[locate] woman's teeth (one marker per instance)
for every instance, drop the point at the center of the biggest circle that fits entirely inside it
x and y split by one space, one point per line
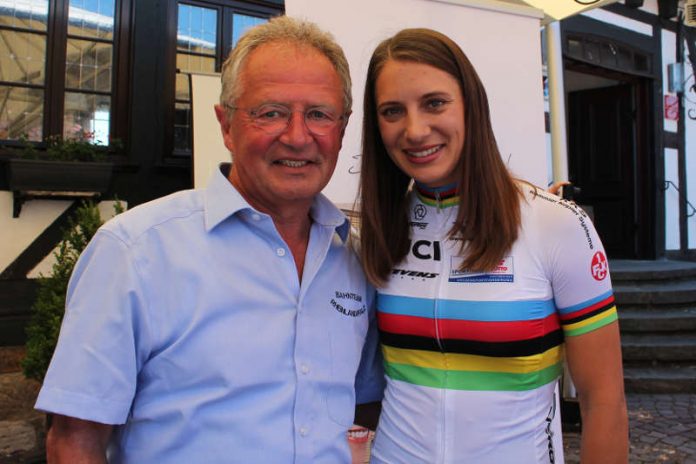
424 153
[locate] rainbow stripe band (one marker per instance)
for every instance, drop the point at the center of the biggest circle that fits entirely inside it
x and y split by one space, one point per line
482 345
472 380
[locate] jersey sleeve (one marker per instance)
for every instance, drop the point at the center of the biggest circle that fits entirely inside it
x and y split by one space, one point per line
94 369
578 270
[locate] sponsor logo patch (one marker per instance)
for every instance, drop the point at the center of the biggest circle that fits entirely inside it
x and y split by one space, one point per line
355 303
401 273
599 266
418 225
504 272
419 212
426 250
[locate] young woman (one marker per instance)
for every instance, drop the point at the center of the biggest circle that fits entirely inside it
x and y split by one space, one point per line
485 283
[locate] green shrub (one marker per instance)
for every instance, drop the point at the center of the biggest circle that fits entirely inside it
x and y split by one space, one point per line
49 306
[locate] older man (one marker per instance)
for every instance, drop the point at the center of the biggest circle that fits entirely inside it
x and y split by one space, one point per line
227 324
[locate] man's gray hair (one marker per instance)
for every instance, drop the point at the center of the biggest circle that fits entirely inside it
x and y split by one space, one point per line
283 29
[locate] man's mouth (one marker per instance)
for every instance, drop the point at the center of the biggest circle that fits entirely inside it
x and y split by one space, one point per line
292 163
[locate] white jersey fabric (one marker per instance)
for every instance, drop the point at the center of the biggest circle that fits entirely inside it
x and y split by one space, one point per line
472 359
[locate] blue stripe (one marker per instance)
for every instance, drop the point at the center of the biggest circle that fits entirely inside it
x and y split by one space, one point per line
585 303
487 311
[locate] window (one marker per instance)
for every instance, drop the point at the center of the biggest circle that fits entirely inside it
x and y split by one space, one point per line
206 32
57 68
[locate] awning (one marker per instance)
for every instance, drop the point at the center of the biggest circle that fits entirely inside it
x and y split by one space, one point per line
555 10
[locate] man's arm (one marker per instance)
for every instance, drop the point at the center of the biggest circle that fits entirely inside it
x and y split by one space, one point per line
76 441
367 414
594 360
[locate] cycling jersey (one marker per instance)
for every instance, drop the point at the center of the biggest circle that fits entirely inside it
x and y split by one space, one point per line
472 358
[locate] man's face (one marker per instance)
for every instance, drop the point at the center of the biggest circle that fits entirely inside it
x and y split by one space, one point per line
287 169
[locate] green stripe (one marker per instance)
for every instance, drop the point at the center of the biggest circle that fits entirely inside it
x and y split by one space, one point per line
472 380
594 326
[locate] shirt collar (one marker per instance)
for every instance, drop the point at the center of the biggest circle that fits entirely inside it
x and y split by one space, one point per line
222 200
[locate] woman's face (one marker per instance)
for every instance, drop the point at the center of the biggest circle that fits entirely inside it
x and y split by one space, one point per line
420 110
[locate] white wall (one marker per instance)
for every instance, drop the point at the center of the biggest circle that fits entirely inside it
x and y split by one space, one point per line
504 47
671 201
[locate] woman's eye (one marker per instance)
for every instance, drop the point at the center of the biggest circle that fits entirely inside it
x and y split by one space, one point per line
391 112
435 103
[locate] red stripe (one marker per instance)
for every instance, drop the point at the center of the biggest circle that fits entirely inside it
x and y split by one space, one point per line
455 329
588 309
407 325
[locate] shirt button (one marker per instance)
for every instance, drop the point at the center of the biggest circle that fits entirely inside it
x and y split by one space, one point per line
255 217
304 431
304 369
280 251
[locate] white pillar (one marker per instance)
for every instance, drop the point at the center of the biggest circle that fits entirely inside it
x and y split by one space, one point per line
557 113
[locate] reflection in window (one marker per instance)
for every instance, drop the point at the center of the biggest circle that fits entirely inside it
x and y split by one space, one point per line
196 52
197 29
91 18
21 113
87 117
22 72
240 24
25 14
89 70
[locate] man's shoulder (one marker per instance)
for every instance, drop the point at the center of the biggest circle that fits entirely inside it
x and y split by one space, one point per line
159 213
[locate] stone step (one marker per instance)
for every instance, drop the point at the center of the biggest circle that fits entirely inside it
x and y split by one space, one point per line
657 270
679 347
667 319
660 379
666 293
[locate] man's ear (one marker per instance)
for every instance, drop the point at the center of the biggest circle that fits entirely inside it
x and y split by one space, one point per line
344 125
224 119
346 117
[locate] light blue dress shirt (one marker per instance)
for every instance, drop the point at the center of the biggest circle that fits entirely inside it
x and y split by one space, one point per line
186 322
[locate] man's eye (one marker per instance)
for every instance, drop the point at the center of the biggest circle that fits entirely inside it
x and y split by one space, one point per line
319 115
271 114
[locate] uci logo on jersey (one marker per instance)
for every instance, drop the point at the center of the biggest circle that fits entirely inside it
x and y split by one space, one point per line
425 249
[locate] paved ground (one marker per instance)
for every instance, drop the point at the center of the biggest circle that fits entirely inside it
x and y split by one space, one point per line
662 430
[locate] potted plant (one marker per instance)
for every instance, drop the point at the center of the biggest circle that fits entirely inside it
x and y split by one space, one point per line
49 305
72 165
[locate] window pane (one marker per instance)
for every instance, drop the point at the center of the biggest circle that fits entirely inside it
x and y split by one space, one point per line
87 114
21 113
91 18
31 14
88 65
182 127
240 23
22 56
183 88
186 64
197 29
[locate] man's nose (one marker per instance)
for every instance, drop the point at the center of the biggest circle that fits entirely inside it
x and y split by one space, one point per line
297 133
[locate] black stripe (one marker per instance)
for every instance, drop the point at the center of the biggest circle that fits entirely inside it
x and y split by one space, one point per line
588 315
495 349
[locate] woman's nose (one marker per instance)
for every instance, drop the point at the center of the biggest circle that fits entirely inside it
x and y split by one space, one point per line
417 127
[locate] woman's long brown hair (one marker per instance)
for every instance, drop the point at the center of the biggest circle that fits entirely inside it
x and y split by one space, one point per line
489 200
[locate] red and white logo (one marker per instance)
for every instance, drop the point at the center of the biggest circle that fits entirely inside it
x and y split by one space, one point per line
599 267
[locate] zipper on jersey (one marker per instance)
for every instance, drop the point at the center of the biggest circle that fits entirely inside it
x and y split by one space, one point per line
438 204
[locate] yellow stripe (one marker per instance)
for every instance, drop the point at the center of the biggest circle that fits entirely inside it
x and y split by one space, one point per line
603 315
469 362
